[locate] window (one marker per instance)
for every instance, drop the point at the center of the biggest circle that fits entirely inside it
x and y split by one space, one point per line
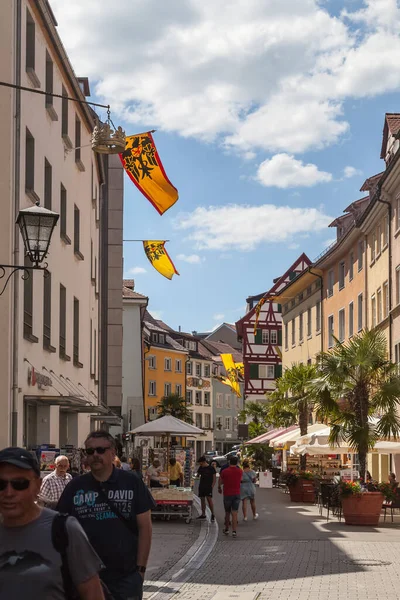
378 240
167 364
207 371
78 142
207 399
49 88
301 327
351 319
330 331
218 423
398 284
360 312
76 333
227 423
273 336
152 362
77 227
198 398
167 389
47 311
189 397
178 366
293 333
373 311
152 388
385 231
48 177
64 113
379 305
63 322
198 420
309 326
398 213
63 215
189 368
385 299
198 369
360 252
207 421
29 162
178 389
342 325
351 266
309 290
220 400
342 274
318 316
228 401
265 336
331 281
266 371
30 55
373 246
286 336
28 303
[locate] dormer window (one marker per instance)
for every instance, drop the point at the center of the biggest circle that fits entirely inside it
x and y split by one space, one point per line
161 338
154 337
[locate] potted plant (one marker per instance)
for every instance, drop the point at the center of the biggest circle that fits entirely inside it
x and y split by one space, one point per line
301 486
360 507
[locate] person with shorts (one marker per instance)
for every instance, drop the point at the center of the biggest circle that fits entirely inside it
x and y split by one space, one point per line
248 490
208 478
230 478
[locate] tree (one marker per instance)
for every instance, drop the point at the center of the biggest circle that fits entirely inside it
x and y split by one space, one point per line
358 390
175 406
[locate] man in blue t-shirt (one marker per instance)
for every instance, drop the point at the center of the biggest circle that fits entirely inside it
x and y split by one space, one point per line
114 508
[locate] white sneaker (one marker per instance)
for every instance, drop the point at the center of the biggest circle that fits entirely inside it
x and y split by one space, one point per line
244 518
255 517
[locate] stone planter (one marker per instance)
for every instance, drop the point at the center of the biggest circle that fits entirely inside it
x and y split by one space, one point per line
364 509
302 491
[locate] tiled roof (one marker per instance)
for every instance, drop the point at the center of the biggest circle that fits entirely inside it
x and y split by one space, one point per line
357 204
169 341
164 325
371 182
129 293
222 348
392 126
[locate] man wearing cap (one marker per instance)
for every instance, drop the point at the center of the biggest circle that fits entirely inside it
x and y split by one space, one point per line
54 484
30 566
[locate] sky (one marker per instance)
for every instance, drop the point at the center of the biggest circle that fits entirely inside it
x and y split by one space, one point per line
269 117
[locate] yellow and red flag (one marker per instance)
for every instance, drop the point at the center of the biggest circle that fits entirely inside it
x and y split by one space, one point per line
159 258
231 372
144 167
258 310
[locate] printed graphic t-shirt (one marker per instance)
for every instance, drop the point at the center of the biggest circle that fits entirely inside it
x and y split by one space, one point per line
110 537
231 478
30 567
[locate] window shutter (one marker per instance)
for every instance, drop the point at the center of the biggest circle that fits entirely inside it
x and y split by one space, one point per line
279 308
258 338
278 371
279 337
253 371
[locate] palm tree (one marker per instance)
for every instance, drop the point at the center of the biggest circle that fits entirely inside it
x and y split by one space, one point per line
358 390
175 406
292 401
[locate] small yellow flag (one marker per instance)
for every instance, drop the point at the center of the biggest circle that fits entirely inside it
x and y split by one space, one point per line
144 167
232 374
159 258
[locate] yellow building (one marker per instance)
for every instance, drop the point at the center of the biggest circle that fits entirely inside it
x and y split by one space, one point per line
164 366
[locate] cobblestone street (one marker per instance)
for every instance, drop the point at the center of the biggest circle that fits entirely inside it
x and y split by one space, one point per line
292 553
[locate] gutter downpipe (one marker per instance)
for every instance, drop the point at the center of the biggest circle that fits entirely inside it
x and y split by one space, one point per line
16 177
390 284
322 304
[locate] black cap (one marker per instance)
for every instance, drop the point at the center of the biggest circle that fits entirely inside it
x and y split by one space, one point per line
20 458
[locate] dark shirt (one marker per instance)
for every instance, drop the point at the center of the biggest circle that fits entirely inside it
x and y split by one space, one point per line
110 537
206 476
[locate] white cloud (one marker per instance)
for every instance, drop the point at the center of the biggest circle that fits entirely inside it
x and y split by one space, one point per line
293 246
218 317
157 314
137 271
284 171
243 227
253 75
349 172
193 259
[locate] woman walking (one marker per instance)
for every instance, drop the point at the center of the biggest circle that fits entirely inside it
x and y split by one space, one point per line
248 490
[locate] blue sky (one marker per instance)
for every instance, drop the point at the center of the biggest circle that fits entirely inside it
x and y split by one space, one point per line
269 117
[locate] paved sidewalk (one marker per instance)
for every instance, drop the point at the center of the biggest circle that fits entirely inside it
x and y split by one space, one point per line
291 553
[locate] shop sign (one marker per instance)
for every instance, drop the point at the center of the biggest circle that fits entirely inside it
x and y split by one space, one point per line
37 379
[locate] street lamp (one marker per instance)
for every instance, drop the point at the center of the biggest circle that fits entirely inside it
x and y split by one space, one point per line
36 225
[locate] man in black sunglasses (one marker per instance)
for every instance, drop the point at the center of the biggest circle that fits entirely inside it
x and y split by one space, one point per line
30 564
113 507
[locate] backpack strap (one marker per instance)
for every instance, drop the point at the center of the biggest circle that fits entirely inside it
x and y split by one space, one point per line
59 537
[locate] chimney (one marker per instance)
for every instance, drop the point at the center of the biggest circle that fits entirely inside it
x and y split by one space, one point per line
179 329
129 283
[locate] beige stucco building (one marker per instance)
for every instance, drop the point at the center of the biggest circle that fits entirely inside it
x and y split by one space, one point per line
60 353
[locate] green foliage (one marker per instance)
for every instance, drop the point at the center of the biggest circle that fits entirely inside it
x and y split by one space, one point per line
349 488
175 406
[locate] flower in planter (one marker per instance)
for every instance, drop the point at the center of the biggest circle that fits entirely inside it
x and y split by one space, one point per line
291 478
350 488
306 475
385 488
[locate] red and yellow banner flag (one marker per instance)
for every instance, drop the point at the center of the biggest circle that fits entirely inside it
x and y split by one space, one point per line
159 258
258 310
232 373
144 167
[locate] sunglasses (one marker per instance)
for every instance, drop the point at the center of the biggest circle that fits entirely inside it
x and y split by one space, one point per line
98 449
17 484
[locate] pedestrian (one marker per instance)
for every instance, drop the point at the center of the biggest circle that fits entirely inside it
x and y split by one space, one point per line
114 508
208 478
54 484
30 565
117 463
124 463
248 490
154 474
230 478
136 468
175 472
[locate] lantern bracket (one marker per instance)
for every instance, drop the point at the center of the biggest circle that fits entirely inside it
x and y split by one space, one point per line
7 271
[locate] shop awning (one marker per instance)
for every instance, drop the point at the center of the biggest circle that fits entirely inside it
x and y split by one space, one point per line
319 445
167 426
68 403
294 435
265 438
